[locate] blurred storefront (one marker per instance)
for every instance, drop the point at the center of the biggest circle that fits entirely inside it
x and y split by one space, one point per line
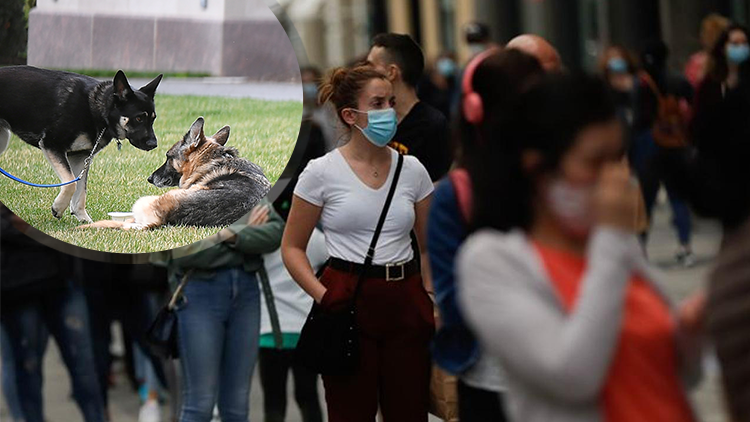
335 32
214 37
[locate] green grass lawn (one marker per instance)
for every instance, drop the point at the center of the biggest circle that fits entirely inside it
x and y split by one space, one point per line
264 132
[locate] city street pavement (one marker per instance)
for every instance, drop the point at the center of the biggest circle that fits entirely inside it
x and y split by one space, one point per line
225 87
680 282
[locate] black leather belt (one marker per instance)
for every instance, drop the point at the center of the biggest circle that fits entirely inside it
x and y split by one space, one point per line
389 272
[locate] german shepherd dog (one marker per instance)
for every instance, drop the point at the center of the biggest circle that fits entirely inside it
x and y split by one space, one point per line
64 114
216 187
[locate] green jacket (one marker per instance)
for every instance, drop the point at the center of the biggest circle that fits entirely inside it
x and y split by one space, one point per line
213 253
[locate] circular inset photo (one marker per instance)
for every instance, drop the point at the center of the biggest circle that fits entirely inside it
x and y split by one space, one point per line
154 130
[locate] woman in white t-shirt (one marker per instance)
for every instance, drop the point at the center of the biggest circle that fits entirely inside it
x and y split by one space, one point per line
344 191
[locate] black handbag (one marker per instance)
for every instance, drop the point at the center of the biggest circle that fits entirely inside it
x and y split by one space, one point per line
162 334
328 343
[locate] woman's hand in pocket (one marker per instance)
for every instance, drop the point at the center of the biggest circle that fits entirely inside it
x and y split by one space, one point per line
320 294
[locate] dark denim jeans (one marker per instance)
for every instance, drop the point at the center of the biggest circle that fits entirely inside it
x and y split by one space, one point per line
65 315
651 165
218 326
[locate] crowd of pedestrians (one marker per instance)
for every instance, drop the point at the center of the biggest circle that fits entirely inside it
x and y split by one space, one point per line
486 220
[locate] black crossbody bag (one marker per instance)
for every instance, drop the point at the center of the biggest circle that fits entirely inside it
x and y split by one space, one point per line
161 336
328 343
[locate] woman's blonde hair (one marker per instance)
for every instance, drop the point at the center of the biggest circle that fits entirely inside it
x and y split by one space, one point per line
712 27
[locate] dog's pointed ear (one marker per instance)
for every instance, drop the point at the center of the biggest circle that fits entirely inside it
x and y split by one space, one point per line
150 88
196 132
122 86
221 136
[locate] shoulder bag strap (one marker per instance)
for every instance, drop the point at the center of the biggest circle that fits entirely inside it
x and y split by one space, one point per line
273 314
178 291
379 227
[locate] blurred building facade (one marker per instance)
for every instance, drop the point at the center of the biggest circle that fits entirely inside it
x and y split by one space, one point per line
335 32
216 37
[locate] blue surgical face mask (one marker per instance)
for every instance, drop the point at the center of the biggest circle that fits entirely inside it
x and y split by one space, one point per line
381 126
617 65
309 91
738 53
476 48
446 67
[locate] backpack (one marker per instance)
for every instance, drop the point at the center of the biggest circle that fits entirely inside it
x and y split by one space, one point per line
670 127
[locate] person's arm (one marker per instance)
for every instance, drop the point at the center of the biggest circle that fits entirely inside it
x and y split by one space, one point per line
445 233
508 300
303 216
502 293
422 209
255 238
691 316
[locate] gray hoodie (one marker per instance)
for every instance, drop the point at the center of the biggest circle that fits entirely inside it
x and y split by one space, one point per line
557 361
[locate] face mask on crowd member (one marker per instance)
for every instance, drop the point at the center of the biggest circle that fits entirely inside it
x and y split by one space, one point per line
617 65
309 91
381 126
738 53
737 49
571 205
476 48
446 67
374 115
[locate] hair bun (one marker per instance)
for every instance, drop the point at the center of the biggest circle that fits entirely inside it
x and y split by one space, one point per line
342 85
338 75
333 80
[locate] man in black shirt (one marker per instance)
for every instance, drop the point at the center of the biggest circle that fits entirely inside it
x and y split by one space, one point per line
422 130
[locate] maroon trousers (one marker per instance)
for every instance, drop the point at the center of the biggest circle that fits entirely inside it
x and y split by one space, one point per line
396 324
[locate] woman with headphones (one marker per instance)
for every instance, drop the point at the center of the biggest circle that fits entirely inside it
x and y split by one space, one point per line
490 82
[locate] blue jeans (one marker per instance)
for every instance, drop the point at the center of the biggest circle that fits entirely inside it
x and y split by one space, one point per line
218 332
65 315
650 163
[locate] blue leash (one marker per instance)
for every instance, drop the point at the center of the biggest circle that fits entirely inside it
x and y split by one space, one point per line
37 185
56 185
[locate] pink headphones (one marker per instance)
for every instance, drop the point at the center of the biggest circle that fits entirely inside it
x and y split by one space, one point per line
473 110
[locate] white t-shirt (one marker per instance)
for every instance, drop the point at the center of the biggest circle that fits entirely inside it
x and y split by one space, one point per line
292 303
351 209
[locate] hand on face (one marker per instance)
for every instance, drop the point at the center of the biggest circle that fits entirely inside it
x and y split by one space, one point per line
692 312
616 197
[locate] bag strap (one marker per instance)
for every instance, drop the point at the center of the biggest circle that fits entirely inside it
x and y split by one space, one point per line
178 291
273 314
645 77
379 227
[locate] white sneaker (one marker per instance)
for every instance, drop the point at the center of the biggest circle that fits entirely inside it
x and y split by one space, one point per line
685 257
150 412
